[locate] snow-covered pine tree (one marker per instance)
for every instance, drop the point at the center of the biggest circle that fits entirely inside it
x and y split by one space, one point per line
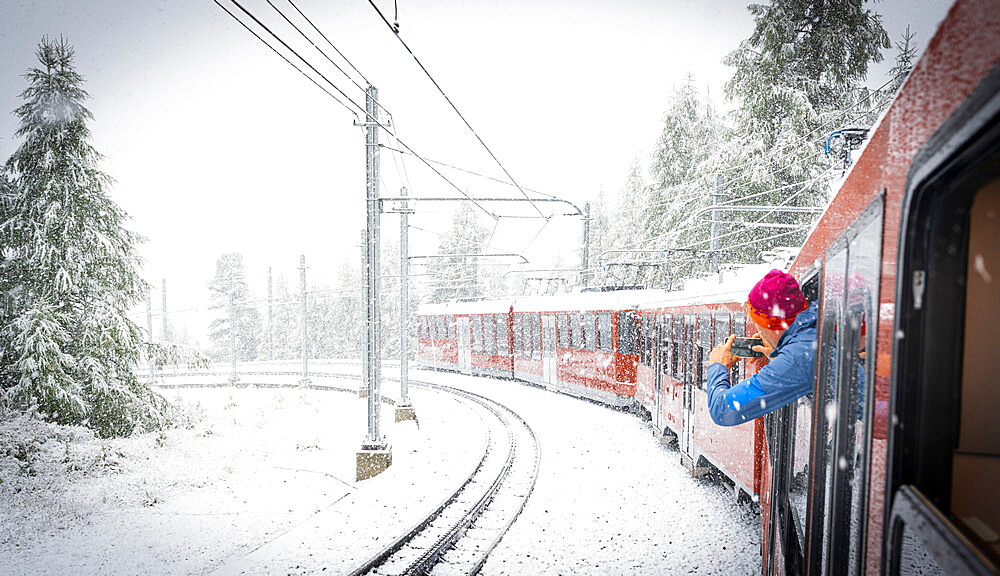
348 315
69 269
230 280
459 277
796 79
684 166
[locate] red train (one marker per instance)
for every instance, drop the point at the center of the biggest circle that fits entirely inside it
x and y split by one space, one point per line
891 465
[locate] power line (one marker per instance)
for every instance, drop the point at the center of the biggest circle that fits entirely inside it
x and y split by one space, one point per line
310 78
452 104
356 105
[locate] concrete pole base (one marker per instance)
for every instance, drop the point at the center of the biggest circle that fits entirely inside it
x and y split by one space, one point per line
234 380
405 413
305 382
372 462
362 393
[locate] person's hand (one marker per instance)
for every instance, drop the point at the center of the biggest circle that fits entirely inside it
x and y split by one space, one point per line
765 349
723 353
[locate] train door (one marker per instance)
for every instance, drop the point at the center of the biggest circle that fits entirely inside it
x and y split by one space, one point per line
690 384
549 349
944 445
464 344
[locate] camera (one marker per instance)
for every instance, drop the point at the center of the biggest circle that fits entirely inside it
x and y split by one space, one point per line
742 347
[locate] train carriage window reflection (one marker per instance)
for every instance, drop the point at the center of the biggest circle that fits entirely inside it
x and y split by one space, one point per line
739 328
826 416
518 336
503 341
589 323
663 346
575 336
489 333
441 331
627 332
676 351
449 327
562 330
536 336
604 342
477 334
704 346
644 337
420 327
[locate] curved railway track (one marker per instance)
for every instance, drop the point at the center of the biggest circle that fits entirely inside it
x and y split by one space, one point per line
459 534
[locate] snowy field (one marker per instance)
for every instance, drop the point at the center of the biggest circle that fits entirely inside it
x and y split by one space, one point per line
261 481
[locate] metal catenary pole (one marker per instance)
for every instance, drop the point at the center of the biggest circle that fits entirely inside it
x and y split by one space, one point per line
270 316
372 324
404 304
305 320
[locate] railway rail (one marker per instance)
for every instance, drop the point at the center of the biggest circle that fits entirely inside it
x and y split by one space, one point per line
460 533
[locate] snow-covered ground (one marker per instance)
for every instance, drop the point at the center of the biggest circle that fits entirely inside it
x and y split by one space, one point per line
261 481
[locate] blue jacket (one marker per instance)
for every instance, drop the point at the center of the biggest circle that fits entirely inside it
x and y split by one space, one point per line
788 376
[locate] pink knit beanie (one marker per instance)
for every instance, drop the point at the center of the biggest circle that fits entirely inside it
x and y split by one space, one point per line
775 301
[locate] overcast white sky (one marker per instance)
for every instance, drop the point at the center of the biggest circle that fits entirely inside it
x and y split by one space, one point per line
217 145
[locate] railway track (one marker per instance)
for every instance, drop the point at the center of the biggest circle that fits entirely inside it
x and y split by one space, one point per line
458 536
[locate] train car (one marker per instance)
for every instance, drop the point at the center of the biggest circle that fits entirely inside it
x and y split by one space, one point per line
583 344
890 466
476 337
437 344
676 336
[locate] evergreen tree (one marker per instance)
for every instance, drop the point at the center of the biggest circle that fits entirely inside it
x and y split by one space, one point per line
69 269
231 297
348 326
796 79
458 277
601 238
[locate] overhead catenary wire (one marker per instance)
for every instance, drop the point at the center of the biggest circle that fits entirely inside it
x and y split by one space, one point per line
355 104
282 56
395 31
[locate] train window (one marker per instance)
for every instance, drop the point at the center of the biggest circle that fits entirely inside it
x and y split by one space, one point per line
575 336
676 351
588 321
644 349
503 342
442 332
739 328
627 332
663 346
604 342
476 326
489 333
704 346
651 340
518 337
449 327
857 380
826 410
536 336
420 327
562 330
721 329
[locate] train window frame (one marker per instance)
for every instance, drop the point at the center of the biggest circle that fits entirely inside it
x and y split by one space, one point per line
605 343
946 176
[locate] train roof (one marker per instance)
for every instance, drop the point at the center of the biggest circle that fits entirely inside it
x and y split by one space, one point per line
731 285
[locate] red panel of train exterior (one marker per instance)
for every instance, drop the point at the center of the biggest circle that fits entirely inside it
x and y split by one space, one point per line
964 49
